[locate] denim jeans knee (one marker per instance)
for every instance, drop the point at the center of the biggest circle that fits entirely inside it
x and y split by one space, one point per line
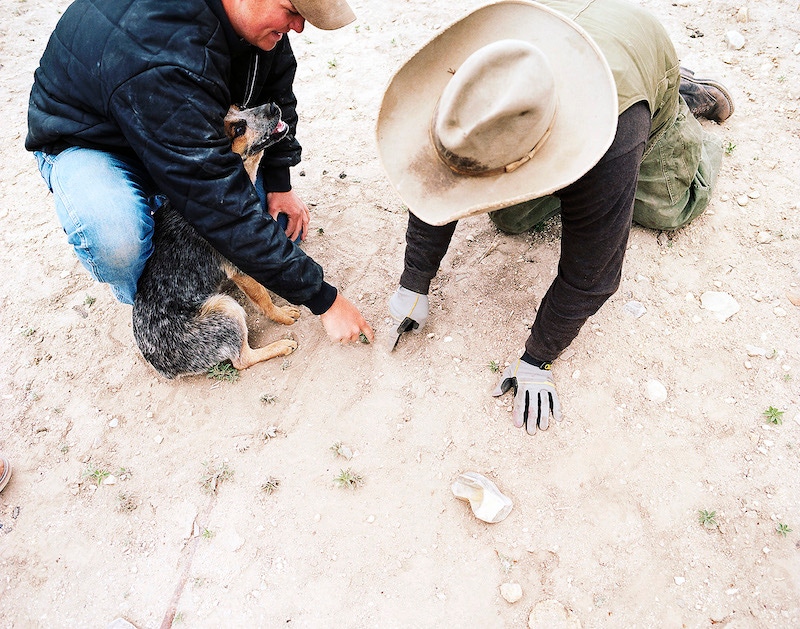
105 203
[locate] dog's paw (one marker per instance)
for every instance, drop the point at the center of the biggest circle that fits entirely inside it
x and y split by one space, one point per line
286 345
286 315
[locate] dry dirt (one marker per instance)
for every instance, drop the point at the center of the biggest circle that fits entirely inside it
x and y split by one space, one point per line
606 503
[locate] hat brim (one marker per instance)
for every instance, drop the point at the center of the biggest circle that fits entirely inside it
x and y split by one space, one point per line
584 129
327 16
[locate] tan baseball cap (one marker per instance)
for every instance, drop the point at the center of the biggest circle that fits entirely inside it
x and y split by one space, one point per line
511 103
327 15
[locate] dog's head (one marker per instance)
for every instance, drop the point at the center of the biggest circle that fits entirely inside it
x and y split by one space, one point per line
252 130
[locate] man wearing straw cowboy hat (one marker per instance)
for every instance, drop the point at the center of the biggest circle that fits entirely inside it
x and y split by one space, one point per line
127 108
524 110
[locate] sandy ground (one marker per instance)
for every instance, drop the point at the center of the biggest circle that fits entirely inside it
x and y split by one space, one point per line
606 503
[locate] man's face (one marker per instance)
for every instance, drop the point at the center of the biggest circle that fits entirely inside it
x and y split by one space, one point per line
262 23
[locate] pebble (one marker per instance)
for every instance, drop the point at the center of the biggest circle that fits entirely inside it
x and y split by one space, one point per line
752 350
779 312
741 15
551 614
634 308
656 391
735 40
793 297
680 580
721 304
754 194
159 438
797 49
742 200
512 592
110 480
763 238
113 423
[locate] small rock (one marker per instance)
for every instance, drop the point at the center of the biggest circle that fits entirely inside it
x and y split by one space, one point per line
741 15
656 391
754 194
752 350
551 614
742 200
512 592
110 480
735 40
113 423
779 312
797 49
793 297
679 580
763 238
158 438
721 304
634 308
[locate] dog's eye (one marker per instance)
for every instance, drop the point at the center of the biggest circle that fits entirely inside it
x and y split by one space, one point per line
239 128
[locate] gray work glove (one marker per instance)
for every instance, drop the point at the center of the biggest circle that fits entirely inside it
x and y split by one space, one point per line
534 395
406 304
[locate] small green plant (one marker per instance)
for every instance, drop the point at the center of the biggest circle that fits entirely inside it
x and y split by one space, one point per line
349 479
269 398
494 366
708 519
773 415
270 485
207 534
320 231
783 529
332 63
27 331
178 619
286 364
363 338
89 300
97 474
64 448
728 147
782 78
787 377
223 371
214 476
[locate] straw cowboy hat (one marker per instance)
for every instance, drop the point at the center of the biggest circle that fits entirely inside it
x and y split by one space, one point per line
327 15
511 103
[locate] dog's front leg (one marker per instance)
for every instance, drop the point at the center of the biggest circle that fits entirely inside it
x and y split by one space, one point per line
259 295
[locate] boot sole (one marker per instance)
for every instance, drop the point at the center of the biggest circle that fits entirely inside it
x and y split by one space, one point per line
689 77
6 473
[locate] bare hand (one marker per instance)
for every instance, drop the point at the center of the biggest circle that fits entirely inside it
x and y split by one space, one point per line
344 323
296 211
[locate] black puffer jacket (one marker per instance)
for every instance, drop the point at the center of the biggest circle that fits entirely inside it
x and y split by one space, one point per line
155 78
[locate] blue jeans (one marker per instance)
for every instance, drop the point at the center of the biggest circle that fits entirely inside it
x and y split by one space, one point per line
106 203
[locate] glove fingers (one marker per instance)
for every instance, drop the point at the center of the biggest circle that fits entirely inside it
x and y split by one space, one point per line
543 408
520 413
530 414
556 406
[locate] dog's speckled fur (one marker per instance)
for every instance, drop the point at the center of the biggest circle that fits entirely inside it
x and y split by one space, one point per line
181 322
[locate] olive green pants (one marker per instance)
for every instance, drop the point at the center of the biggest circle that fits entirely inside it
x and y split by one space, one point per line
676 177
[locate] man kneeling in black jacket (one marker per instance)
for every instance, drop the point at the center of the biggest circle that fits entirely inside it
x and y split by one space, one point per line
127 109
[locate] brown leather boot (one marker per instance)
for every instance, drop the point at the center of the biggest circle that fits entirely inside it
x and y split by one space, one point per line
706 98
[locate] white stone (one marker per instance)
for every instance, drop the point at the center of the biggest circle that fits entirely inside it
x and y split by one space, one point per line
721 304
656 391
735 40
763 238
752 350
512 592
634 308
110 480
113 423
779 312
680 580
